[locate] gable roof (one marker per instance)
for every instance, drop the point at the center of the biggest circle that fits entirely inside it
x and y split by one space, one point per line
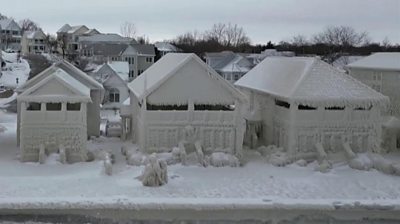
165 68
105 49
121 68
309 81
167 47
64 28
76 28
9 24
140 49
34 34
383 61
82 92
105 37
69 69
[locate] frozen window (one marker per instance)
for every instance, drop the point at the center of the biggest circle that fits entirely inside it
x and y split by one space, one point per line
114 95
213 107
73 106
167 107
282 103
53 106
149 59
334 108
33 106
305 107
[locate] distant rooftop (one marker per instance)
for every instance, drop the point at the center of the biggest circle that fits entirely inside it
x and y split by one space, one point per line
383 60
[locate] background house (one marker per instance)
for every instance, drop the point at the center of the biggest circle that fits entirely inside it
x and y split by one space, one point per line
53 117
114 77
139 56
10 35
181 92
297 103
381 71
68 36
229 65
34 42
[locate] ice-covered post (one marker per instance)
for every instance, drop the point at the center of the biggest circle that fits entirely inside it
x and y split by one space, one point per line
292 131
42 154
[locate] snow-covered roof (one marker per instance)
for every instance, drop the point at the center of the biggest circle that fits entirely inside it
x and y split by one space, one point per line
107 37
342 61
381 61
68 68
121 68
165 46
9 24
140 49
34 34
168 66
81 92
309 81
75 28
237 64
64 28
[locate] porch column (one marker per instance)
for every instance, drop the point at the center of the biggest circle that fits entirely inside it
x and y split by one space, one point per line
292 132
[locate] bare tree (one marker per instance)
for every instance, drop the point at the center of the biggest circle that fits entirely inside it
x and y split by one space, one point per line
62 42
28 25
229 35
344 36
143 39
188 38
386 43
299 40
128 29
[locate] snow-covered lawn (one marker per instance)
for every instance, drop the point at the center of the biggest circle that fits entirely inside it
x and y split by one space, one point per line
14 70
255 184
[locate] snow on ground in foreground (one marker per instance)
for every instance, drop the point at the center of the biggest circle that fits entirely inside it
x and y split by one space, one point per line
14 70
256 183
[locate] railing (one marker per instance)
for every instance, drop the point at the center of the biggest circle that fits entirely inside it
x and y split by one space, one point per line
40 117
195 117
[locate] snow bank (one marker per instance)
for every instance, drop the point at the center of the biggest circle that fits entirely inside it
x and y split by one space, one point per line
220 159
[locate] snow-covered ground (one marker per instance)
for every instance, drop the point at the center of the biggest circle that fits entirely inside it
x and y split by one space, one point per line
14 70
256 185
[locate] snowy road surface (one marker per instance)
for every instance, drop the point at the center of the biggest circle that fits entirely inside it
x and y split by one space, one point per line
254 191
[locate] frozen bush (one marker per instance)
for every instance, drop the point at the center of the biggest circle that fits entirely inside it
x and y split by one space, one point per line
396 169
324 166
63 157
2 129
137 159
263 150
279 159
301 162
361 162
107 164
381 164
42 154
155 173
220 159
90 156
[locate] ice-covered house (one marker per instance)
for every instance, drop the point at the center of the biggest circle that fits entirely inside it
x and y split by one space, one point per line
114 77
301 104
179 93
96 94
53 117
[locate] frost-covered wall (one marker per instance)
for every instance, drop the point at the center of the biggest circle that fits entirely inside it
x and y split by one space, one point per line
384 81
53 129
297 129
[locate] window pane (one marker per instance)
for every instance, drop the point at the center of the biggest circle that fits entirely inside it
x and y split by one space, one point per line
33 106
73 106
53 106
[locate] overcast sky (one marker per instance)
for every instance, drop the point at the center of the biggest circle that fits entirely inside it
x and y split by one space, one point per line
263 20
